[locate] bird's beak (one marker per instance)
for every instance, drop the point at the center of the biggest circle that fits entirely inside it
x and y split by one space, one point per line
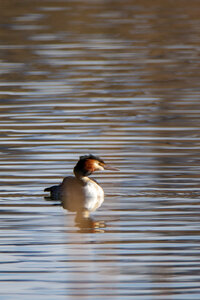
108 167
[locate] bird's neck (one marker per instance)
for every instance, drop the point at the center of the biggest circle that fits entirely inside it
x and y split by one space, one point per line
81 175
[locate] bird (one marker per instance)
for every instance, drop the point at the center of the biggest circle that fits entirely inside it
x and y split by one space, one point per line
79 193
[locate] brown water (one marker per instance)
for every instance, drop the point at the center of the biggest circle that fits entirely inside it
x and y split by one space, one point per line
119 79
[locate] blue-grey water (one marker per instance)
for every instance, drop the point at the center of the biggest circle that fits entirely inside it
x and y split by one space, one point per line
119 79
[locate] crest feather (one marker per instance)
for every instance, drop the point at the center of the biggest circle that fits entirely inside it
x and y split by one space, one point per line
91 156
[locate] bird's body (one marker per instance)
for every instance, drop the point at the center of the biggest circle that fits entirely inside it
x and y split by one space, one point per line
80 193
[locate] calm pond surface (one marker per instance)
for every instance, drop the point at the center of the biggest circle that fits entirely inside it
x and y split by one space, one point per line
121 80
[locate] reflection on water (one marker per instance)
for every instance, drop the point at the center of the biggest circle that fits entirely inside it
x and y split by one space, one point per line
85 224
120 80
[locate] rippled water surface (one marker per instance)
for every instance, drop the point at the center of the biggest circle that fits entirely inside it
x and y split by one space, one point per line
119 79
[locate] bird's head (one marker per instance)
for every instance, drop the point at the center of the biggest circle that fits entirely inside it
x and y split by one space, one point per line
88 164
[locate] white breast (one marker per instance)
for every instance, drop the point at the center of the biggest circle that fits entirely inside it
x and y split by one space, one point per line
76 196
94 195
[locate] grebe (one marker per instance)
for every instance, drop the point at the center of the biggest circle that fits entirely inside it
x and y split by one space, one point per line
80 193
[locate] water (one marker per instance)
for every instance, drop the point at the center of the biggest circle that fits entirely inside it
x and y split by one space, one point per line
119 79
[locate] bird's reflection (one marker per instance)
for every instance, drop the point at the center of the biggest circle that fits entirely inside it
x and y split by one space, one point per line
84 223
89 225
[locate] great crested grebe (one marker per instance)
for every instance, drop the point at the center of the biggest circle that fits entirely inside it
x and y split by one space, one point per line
80 193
